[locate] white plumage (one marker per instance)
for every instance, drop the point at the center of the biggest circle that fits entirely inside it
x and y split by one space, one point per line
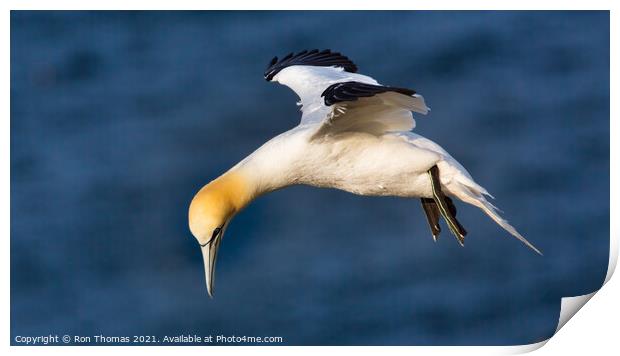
354 135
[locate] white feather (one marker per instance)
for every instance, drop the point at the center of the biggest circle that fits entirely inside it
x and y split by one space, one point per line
309 82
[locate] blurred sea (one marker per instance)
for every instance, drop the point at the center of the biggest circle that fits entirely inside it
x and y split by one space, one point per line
118 118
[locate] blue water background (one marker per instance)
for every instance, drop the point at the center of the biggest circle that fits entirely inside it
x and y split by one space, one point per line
118 118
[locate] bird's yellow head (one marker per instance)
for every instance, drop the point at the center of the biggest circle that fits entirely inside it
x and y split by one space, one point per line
210 212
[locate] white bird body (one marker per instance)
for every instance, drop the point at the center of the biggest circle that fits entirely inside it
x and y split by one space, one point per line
354 135
355 162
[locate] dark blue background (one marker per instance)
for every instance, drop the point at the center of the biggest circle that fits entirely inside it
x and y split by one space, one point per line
118 118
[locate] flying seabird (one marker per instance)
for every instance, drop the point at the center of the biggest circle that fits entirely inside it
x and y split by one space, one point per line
354 135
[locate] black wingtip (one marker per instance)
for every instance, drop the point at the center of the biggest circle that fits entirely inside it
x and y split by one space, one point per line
351 91
324 58
272 62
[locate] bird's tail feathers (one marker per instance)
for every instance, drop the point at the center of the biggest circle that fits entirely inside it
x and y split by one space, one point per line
473 186
472 193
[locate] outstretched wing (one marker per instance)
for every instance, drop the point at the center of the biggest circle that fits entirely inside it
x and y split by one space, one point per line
335 98
376 109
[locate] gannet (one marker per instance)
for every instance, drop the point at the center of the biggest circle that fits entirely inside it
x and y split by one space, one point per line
354 135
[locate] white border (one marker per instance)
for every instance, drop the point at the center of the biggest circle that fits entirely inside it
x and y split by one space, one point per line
593 326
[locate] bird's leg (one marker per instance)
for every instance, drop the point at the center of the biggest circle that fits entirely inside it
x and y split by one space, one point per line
452 210
446 206
432 216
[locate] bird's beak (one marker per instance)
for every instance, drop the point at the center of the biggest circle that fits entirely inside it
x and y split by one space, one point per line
209 255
